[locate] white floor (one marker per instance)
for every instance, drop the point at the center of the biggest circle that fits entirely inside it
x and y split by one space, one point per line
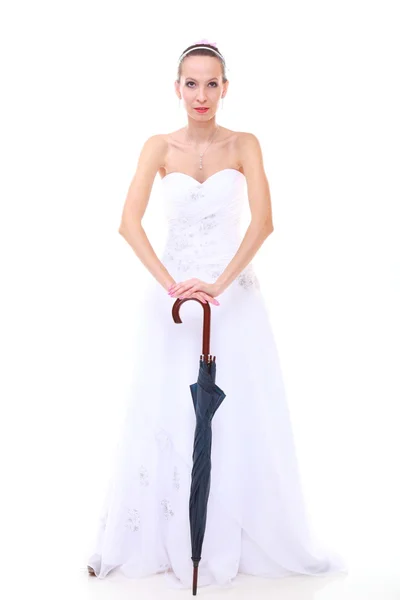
351 586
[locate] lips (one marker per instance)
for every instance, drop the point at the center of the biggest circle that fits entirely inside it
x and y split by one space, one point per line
201 110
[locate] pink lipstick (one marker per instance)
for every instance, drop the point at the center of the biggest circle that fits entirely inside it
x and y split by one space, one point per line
201 110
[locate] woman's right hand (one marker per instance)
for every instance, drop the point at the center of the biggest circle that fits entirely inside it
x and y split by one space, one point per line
203 297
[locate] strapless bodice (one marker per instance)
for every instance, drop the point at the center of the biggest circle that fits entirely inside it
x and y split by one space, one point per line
204 224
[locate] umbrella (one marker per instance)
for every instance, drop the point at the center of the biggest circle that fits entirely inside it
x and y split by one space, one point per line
207 397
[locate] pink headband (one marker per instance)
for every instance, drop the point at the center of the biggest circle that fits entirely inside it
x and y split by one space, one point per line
207 42
182 56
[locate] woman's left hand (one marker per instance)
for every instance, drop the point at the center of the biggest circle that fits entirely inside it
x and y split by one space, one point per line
184 289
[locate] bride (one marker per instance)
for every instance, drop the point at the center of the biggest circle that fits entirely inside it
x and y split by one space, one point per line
257 521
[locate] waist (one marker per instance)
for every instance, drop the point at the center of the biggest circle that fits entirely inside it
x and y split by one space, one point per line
202 248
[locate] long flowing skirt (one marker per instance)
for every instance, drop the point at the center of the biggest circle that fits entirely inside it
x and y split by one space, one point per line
257 521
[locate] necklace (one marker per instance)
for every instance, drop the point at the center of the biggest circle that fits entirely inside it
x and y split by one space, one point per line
204 151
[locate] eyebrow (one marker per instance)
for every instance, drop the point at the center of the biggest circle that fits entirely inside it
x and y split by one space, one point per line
196 79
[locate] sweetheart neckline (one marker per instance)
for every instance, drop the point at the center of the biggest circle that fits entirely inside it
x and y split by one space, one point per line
208 178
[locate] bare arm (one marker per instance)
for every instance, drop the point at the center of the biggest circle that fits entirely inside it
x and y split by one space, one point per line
150 159
261 224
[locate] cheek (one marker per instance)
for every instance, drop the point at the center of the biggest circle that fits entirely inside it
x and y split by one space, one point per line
187 95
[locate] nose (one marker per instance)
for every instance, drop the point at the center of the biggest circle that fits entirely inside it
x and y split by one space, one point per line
202 95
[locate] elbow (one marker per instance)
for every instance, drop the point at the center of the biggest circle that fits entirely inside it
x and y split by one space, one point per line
267 228
122 225
268 224
263 224
123 230
127 227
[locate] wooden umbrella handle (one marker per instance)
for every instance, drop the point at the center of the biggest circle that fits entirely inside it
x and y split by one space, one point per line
206 321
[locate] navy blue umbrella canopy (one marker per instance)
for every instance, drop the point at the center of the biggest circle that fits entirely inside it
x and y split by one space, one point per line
206 397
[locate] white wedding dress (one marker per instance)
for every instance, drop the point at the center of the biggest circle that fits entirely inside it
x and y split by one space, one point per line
256 520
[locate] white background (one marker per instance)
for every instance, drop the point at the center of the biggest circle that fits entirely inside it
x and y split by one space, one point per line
84 84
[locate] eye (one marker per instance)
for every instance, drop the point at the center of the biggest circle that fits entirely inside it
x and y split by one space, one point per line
213 83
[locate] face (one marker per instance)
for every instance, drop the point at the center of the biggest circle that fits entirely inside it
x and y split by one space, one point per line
201 85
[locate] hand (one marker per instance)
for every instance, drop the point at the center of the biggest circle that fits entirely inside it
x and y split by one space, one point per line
195 288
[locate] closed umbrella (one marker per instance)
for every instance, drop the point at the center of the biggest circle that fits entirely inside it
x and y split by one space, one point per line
206 397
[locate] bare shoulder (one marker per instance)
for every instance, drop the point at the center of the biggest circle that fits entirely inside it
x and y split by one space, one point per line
249 151
248 142
151 156
155 143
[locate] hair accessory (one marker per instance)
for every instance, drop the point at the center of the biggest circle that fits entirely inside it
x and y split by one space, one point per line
207 42
182 56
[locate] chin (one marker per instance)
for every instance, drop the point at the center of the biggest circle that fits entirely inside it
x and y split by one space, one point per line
208 114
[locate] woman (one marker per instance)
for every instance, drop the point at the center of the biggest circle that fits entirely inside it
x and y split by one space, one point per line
256 520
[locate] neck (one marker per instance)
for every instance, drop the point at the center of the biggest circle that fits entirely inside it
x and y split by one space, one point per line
199 132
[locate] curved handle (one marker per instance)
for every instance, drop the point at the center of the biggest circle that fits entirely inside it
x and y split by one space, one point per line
206 322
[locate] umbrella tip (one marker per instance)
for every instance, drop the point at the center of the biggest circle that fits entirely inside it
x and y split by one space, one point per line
195 572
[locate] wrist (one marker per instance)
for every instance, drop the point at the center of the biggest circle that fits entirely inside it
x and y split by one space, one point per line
168 284
219 288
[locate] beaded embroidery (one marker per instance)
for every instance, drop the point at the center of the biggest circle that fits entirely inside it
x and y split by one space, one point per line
248 278
176 478
144 476
133 521
199 241
168 512
163 439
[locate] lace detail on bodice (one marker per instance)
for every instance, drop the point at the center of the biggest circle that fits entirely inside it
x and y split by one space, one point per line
204 225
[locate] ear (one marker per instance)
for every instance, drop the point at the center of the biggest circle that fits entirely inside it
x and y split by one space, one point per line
225 89
177 91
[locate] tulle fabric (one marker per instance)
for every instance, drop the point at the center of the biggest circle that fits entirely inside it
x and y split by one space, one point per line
257 522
